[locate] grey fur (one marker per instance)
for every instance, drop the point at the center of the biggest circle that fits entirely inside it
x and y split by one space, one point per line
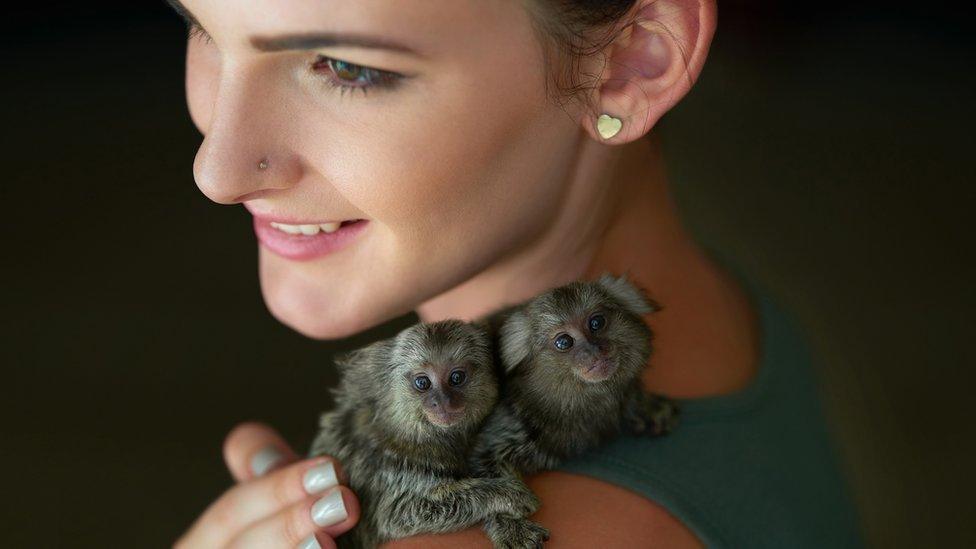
409 473
552 408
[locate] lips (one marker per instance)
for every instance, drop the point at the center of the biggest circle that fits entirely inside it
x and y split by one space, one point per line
443 418
601 369
310 241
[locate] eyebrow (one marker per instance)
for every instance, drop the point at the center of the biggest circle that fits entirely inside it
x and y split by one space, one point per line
307 40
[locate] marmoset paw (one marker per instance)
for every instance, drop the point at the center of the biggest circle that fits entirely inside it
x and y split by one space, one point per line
659 416
519 499
664 417
515 533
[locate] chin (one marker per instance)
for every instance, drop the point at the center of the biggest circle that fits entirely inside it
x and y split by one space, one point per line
444 423
315 310
312 328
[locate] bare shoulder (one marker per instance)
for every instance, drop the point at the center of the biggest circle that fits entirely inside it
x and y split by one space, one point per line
582 511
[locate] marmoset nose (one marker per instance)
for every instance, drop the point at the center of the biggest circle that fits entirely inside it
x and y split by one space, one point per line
597 347
447 403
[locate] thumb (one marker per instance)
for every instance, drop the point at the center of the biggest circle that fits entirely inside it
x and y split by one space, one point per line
251 449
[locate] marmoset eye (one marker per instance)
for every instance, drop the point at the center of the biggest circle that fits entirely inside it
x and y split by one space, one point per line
422 383
457 377
564 341
597 322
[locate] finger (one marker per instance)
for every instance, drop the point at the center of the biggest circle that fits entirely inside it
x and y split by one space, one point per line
254 500
332 514
317 541
253 449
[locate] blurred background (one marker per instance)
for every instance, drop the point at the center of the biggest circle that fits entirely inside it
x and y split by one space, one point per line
827 149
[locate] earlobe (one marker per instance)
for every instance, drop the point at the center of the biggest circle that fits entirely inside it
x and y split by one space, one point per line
608 126
652 64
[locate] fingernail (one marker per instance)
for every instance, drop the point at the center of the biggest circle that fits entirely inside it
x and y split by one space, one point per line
330 509
319 478
263 461
309 543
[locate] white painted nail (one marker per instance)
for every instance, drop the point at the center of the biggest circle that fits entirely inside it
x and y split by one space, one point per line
319 478
263 461
330 509
309 543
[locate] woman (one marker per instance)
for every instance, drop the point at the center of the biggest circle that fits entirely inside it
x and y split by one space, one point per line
454 156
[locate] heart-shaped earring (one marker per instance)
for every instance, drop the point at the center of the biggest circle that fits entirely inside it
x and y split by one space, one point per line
608 126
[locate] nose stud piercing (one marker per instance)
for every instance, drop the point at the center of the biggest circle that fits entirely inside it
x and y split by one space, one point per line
263 164
608 126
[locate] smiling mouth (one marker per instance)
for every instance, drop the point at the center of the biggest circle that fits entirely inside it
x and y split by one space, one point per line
307 240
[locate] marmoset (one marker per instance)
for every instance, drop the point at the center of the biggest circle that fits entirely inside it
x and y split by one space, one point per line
407 412
571 359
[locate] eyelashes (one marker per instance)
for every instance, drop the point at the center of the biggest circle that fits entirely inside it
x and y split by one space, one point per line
341 72
195 30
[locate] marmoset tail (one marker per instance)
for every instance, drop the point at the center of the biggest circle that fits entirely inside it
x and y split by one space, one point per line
572 360
407 411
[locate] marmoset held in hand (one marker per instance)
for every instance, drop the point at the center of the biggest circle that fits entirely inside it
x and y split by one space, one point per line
407 412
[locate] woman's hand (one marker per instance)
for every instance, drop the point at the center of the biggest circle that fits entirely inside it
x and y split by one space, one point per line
278 501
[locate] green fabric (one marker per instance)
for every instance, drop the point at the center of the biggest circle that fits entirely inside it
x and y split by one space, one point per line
756 468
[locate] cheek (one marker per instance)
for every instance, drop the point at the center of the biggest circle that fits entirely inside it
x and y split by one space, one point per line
460 178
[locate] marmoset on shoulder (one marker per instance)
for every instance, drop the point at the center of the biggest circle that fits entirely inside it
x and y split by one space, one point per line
407 412
572 359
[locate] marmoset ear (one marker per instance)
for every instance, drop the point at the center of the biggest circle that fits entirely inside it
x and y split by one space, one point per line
633 299
362 367
515 340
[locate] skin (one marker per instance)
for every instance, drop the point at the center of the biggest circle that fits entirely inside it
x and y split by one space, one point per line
528 196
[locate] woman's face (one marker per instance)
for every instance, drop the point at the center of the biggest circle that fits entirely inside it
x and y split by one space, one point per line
452 156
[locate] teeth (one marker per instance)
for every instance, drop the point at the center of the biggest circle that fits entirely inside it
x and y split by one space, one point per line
307 230
290 229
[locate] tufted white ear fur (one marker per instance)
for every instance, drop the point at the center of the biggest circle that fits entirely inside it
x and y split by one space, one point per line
515 337
630 296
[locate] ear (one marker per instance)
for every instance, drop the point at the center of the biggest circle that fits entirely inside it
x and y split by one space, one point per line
633 299
515 340
360 366
657 56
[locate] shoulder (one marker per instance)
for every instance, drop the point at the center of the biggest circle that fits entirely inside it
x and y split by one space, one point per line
581 511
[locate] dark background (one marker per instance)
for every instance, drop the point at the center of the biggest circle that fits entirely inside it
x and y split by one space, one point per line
828 149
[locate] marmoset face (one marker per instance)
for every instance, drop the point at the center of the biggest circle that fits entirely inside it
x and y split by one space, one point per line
446 373
593 330
590 334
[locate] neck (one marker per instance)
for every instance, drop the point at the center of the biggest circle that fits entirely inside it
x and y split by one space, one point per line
619 217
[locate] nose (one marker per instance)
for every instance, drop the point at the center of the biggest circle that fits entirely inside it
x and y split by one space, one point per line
449 402
597 347
246 127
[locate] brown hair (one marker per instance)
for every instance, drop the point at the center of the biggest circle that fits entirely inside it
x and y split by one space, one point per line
569 31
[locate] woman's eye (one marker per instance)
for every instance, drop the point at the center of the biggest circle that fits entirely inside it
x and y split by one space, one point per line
597 322
457 377
348 76
422 383
564 341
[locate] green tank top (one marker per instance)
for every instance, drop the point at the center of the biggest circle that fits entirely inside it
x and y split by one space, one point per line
755 468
